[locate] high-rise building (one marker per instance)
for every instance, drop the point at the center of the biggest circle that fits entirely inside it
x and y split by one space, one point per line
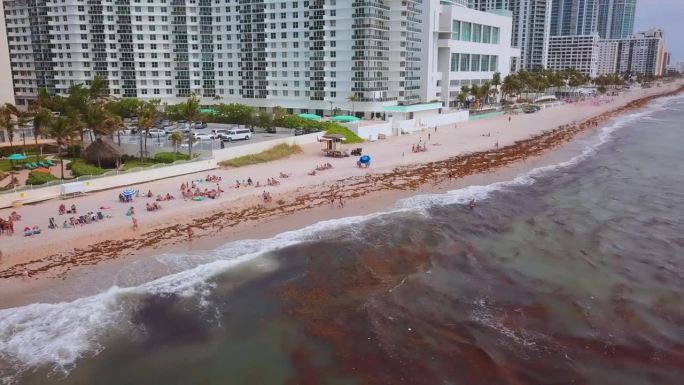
531 28
574 17
616 18
580 52
309 54
464 47
303 55
6 91
642 53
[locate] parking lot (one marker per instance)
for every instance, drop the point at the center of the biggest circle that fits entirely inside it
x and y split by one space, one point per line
131 143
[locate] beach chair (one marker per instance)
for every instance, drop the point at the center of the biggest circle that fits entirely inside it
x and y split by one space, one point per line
44 164
34 165
27 166
49 162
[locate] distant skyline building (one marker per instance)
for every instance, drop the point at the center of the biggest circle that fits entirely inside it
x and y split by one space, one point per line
574 17
580 52
643 53
616 18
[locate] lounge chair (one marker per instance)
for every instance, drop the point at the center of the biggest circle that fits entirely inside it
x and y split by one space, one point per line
27 166
51 163
44 164
34 165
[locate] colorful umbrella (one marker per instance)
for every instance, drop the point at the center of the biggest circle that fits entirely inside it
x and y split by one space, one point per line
17 157
344 118
129 192
365 159
309 116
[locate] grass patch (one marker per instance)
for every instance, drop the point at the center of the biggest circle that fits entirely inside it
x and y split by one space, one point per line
133 163
274 153
170 157
347 133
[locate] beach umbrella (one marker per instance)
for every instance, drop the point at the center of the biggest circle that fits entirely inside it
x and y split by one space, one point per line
17 157
129 192
365 159
309 116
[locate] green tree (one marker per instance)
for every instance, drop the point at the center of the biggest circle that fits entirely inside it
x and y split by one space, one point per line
176 139
148 114
63 132
264 120
7 122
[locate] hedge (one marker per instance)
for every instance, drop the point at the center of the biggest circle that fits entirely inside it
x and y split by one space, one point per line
38 178
170 157
79 168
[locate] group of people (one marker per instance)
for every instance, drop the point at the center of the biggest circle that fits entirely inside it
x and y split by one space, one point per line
88 218
167 197
420 147
7 226
154 206
266 196
62 210
206 193
213 179
324 166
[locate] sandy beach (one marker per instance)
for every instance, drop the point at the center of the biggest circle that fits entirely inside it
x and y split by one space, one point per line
452 154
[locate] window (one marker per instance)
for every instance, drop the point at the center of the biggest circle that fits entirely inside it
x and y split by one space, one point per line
465 62
454 62
495 35
477 33
455 29
475 62
465 32
493 63
486 34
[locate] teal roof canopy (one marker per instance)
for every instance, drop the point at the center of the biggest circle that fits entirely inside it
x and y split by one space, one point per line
344 118
413 108
309 116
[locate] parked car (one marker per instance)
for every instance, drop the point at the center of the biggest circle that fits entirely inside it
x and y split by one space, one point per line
203 136
218 132
237 134
299 131
154 132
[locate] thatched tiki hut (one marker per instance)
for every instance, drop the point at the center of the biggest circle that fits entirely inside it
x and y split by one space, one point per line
103 152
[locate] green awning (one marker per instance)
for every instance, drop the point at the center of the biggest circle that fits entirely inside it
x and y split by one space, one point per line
344 118
17 157
208 111
309 116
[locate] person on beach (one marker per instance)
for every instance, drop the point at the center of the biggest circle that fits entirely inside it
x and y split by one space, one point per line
26 274
135 223
341 203
190 234
429 136
471 204
509 118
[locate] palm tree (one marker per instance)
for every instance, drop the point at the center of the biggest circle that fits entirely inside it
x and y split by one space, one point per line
63 132
463 95
147 118
496 82
7 122
190 110
41 123
176 139
353 98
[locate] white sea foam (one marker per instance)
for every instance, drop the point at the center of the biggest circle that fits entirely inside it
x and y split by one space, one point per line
59 334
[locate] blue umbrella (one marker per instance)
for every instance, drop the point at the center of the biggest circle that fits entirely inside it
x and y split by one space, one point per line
17 157
129 192
365 159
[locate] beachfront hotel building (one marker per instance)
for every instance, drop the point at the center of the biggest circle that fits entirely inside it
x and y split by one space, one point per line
464 47
643 53
580 52
303 55
6 89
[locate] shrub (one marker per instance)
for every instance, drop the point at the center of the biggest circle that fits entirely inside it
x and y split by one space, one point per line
170 157
274 153
38 178
79 168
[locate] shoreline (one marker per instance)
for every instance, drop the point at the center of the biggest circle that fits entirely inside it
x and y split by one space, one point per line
238 218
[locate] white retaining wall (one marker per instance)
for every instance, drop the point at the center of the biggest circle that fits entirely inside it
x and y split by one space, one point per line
445 119
371 131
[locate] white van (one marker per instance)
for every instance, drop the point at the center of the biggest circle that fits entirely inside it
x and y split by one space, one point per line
236 134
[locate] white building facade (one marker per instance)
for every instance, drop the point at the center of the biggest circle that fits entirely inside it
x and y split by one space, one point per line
580 52
6 91
464 47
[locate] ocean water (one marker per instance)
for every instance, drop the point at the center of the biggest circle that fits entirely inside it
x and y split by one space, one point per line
569 274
